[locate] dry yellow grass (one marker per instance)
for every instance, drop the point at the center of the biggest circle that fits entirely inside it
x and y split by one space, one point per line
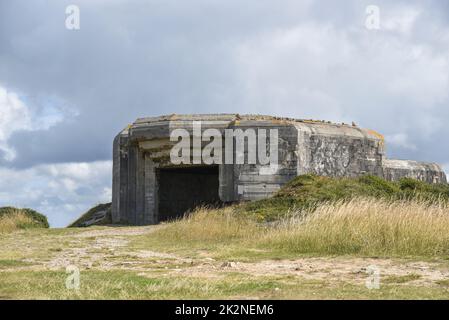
363 226
210 225
367 226
14 221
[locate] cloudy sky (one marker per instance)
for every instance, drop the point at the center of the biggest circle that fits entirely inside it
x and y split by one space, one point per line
64 93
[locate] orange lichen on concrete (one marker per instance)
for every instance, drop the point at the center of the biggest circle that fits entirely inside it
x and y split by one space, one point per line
377 134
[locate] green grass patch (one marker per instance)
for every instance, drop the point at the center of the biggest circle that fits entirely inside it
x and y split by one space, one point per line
130 285
401 279
13 264
443 283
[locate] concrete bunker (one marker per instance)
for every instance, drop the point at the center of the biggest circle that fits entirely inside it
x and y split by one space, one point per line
182 189
148 187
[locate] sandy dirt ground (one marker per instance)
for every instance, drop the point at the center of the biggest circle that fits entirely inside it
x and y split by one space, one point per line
107 249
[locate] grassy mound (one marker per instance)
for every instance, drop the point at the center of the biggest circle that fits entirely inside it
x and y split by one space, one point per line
360 226
98 215
307 192
325 216
12 219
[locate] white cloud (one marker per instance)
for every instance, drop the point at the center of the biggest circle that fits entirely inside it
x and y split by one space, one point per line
401 140
14 115
60 191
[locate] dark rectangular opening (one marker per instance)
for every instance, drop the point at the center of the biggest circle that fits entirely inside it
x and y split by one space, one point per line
182 189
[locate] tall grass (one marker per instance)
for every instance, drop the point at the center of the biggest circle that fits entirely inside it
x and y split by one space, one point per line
367 226
14 221
39 219
217 225
361 226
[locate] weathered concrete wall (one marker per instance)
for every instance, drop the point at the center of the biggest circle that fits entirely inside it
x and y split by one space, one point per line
428 172
255 181
120 178
143 150
336 150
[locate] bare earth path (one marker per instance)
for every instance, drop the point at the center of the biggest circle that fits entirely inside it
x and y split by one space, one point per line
108 249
